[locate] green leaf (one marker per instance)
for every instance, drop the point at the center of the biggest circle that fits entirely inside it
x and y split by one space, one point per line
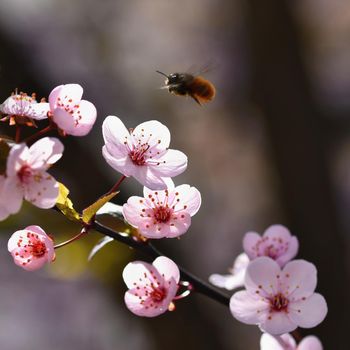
91 210
65 205
4 152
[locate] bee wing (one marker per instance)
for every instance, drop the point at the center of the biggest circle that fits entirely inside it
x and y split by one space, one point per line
205 68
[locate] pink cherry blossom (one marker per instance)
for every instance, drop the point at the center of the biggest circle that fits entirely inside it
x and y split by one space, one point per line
276 243
24 106
142 153
163 213
72 114
26 175
151 287
236 277
279 300
287 342
31 248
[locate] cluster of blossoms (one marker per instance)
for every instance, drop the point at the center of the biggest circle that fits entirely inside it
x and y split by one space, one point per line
279 291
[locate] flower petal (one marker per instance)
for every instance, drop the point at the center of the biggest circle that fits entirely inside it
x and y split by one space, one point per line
310 312
262 276
299 279
283 342
188 198
115 132
147 177
16 158
39 111
154 133
228 282
140 273
172 163
250 240
247 308
42 190
117 159
278 323
11 195
45 152
310 343
167 268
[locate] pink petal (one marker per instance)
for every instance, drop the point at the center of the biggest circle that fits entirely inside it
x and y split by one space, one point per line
310 312
149 308
118 159
278 323
42 190
66 92
167 268
147 177
45 152
250 240
115 132
179 226
240 264
189 197
16 158
171 164
39 111
290 253
11 195
280 232
83 121
77 122
13 240
34 264
261 275
236 278
270 342
228 282
169 186
247 308
54 95
310 343
139 272
132 211
154 133
277 231
299 279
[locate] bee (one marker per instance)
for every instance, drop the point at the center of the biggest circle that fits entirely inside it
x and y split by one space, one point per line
185 84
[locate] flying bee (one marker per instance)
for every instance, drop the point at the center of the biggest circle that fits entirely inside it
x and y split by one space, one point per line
185 84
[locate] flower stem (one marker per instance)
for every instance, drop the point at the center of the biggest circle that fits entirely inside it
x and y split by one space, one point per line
39 133
83 232
18 133
116 185
148 249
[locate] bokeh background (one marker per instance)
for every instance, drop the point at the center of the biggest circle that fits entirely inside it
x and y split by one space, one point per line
274 147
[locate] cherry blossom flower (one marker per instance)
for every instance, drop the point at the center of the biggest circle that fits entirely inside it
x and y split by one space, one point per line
31 248
163 213
26 175
276 243
279 300
236 277
287 342
22 108
142 153
151 287
71 114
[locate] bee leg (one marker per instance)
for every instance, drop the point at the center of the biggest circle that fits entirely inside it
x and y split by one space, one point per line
196 99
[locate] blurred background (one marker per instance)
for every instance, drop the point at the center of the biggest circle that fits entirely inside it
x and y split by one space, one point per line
273 147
